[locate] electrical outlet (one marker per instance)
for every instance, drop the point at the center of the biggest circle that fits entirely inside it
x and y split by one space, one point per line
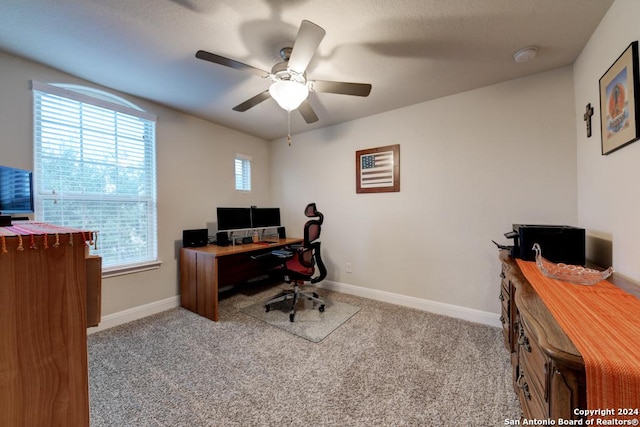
348 267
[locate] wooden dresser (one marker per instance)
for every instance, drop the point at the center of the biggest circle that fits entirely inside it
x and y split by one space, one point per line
548 371
43 321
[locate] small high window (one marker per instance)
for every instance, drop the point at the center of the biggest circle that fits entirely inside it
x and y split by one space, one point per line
243 172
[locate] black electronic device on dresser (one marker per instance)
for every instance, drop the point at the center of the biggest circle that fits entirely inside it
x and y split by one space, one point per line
559 243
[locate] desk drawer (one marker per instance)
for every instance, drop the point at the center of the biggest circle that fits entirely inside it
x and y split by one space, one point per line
238 268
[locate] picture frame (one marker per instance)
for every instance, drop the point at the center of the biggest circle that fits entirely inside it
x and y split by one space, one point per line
619 102
378 169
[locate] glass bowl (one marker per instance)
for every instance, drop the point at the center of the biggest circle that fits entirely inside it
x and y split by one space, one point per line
569 273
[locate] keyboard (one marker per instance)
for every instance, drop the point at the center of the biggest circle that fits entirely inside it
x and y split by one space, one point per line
281 253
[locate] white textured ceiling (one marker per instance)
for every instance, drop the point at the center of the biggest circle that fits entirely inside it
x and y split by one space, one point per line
411 51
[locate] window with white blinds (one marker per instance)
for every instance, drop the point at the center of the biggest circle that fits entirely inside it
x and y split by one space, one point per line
243 172
95 169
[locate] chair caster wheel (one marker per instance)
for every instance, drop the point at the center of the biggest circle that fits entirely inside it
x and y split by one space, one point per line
291 316
267 308
321 308
315 295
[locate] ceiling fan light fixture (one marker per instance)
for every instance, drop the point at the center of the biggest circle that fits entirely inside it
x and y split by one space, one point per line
289 94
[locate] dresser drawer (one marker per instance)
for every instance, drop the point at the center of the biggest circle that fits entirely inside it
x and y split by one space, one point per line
505 319
533 405
506 305
507 313
505 287
534 360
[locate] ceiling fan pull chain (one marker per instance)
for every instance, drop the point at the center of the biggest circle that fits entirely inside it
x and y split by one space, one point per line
289 127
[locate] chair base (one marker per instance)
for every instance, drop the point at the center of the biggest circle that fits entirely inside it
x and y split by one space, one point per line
294 295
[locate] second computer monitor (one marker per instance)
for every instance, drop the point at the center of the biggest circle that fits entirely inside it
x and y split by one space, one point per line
265 217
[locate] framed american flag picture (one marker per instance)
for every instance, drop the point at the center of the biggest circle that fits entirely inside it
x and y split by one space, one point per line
378 169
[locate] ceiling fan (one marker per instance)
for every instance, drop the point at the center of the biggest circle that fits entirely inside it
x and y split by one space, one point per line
290 86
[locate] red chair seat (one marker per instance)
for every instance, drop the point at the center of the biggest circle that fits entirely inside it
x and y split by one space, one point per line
295 266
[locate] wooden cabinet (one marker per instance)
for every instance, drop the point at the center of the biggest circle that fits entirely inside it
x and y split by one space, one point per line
43 336
94 290
548 371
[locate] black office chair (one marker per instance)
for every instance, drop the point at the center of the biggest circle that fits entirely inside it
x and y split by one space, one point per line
304 265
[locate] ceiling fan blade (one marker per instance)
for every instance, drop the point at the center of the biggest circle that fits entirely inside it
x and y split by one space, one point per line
221 60
307 112
342 88
307 41
252 102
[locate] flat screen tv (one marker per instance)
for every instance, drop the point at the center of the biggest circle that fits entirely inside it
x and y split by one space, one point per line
265 217
16 191
234 219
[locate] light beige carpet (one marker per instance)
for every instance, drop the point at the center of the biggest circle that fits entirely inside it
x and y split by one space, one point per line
386 366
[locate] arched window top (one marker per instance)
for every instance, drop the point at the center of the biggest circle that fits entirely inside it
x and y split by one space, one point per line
93 96
98 94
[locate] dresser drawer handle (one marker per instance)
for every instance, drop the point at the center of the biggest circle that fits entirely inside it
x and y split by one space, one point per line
522 339
501 297
502 275
523 385
502 319
525 390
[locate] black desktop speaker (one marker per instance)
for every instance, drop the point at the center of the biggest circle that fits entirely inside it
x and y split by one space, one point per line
5 220
195 238
222 238
281 233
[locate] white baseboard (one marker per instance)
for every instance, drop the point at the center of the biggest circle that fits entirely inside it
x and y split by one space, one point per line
464 313
135 313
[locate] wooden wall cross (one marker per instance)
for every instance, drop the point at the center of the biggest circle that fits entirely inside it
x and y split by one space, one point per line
587 118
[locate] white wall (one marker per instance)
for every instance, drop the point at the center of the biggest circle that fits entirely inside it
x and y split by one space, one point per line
195 174
608 202
471 165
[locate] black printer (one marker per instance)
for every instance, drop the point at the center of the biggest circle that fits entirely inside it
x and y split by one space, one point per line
559 243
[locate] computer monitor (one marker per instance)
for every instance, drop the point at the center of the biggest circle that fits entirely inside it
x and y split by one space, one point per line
265 217
16 191
234 219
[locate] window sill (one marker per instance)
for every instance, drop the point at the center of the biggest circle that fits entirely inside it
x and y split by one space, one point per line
130 269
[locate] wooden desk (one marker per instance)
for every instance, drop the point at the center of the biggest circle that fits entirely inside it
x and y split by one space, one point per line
204 270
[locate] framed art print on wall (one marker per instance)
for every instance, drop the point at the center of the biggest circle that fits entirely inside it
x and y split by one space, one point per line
619 102
378 169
